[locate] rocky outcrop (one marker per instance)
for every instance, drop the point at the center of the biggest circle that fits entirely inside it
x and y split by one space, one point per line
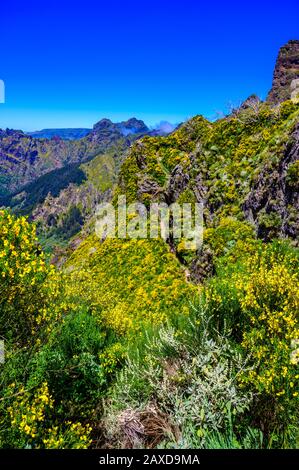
286 70
178 181
51 213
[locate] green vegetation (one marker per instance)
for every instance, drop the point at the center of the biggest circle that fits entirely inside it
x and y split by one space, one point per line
101 171
293 174
35 193
129 282
197 349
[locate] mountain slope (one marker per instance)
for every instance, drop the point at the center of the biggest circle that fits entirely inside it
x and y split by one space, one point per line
24 158
188 379
243 168
64 179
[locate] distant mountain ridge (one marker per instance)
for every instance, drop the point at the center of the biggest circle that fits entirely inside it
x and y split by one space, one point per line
63 133
131 126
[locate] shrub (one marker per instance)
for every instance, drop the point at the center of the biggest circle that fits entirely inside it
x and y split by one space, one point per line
71 362
229 232
259 300
188 376
30 287
31 423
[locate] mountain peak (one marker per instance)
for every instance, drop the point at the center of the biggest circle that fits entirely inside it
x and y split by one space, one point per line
131 126
286 70
134 124
103 124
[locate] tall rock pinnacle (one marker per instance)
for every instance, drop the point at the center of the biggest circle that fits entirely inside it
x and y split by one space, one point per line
285 72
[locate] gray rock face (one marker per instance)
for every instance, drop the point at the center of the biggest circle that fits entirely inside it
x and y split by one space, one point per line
177 183
148 186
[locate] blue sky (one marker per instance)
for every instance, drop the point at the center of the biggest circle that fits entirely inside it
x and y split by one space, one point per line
69 64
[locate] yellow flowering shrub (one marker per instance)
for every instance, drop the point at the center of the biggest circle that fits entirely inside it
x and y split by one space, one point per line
227 234
112 356
259 300
128 283
31 417
270 296
27 415
30 287
73 436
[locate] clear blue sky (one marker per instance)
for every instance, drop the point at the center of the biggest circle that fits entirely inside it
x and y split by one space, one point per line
68 64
